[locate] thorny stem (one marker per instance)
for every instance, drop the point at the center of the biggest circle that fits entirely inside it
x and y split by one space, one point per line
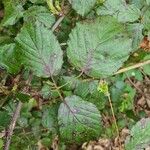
61 97
57 23
15 116
12 125
19 105
115 121
56 87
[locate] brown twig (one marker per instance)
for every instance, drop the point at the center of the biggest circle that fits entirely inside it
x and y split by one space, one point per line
132 83
57 23
133 67
15 116
145 75
12 125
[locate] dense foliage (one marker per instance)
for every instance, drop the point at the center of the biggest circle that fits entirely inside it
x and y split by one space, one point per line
61 60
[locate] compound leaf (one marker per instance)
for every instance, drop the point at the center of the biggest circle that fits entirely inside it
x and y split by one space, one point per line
79 120
40 49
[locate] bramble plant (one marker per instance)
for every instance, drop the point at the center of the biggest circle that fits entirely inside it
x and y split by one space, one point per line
62 62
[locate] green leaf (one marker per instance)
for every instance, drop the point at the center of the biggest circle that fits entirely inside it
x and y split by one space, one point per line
4 118
4 39
40 13
47 141
78 120
133 73
139 135
82 89
120 10
138 3
41 51
127 99
146 18
23 97
1 143
9 58
88 91
148 2
46 91
23 122
49 117
136 33
27 107
82 6
68 82
99 48
13 12
146 68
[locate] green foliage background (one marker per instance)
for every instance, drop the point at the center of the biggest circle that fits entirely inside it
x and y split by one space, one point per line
92 41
